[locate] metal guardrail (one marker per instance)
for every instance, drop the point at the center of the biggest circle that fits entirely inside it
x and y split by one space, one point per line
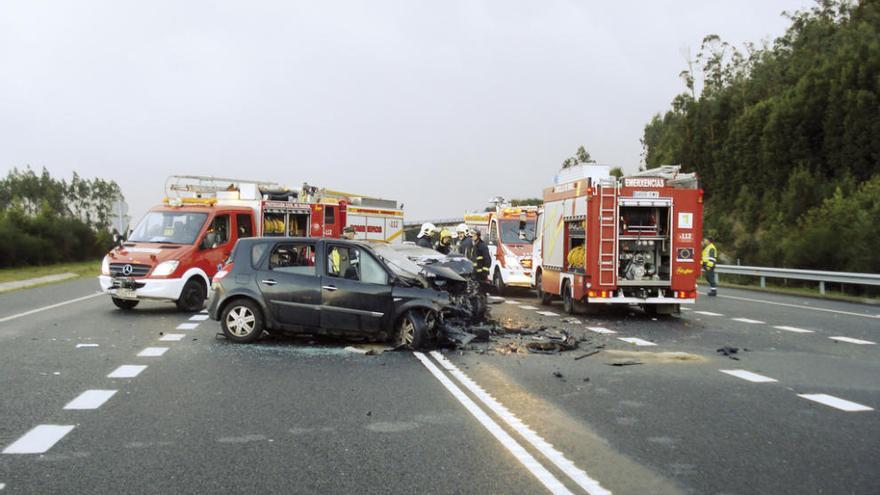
789 273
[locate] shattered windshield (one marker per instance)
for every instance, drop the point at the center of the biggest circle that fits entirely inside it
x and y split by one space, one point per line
398 261
175 227
510 233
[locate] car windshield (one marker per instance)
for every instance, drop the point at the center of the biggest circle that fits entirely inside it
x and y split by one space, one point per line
173 227
510 232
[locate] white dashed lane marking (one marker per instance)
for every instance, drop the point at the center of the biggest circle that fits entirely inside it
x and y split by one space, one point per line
749 376
80 346
708 313
519 452
40 439
187 326
837 403
600 330
496 298
204 311
852 340
547 313
90 399
172 337
636 341
527 307
199 317
576 474
127 371
511 302
747 320
802 306
153 352
686 309
793 329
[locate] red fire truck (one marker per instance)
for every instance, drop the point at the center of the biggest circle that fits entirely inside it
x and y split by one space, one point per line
175 250
628 241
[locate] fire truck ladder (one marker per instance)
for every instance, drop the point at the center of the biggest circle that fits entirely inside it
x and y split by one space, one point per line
607 234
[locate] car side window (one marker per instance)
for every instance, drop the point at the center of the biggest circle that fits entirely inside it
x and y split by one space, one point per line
372 271
352 263
244 225
257 253
493 232
298 259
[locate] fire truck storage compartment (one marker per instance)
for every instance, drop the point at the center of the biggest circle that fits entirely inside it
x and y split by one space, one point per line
577 255
644 242
281 219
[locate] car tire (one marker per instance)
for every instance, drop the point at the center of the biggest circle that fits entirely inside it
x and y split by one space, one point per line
567 298
498 282
192 297
544 297
242 321
412 331
125 304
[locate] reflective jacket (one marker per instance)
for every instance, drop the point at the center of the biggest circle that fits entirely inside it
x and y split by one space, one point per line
709 256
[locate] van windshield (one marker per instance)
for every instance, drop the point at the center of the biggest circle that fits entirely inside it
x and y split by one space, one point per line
173 227
510 233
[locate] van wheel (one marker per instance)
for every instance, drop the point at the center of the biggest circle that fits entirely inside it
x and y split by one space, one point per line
192 297
567 298
242 321
498 282
412 331
125 304
544 297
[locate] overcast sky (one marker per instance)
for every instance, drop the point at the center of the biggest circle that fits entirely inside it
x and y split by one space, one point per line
440 105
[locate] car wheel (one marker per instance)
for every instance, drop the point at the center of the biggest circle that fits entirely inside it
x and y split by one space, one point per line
498 282
242 321
412 331
567 298
125 304
544 297
192 297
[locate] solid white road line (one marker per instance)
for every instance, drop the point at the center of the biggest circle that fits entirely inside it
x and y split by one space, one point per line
801 306
793 329
80 346
172 337
578 475
686 309
51 306
600 330
496 298
708 313
636 341
522 455
127 371
153 352
852 340
527 307
830 400
747 320
40 439
547 313
749 376
198 317
90 399
187 326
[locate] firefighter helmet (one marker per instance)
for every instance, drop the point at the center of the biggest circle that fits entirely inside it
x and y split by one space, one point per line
428 229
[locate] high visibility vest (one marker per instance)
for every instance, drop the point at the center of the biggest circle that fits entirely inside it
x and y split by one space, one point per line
709 254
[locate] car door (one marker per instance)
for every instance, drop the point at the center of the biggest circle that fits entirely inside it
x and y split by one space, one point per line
289 281
356 294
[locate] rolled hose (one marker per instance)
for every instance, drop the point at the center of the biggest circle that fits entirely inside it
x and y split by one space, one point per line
577 257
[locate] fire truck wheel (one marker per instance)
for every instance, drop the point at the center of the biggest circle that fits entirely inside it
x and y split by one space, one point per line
412 330
192 297
242 321
544 297
567 299
125 304
498 282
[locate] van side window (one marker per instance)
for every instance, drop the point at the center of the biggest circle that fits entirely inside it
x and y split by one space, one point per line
329 215
218 231
493 232
244 226
298 259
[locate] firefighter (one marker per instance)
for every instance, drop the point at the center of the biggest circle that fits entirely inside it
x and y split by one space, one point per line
444 245
478 253
465 241
426 235
710 255
461 233
348 233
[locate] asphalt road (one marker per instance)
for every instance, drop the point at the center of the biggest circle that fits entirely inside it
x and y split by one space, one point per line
295 416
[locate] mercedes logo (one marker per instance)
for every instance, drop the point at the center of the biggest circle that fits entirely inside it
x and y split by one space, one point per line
127 269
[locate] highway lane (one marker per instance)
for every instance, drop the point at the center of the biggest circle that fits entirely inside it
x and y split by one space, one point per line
289 416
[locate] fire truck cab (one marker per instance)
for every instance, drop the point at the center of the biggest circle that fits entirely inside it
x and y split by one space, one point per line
177 247
509 232
628 241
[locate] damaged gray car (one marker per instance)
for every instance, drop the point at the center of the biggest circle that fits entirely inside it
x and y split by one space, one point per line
343 288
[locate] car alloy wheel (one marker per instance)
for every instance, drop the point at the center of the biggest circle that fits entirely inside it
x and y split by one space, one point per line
241 321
